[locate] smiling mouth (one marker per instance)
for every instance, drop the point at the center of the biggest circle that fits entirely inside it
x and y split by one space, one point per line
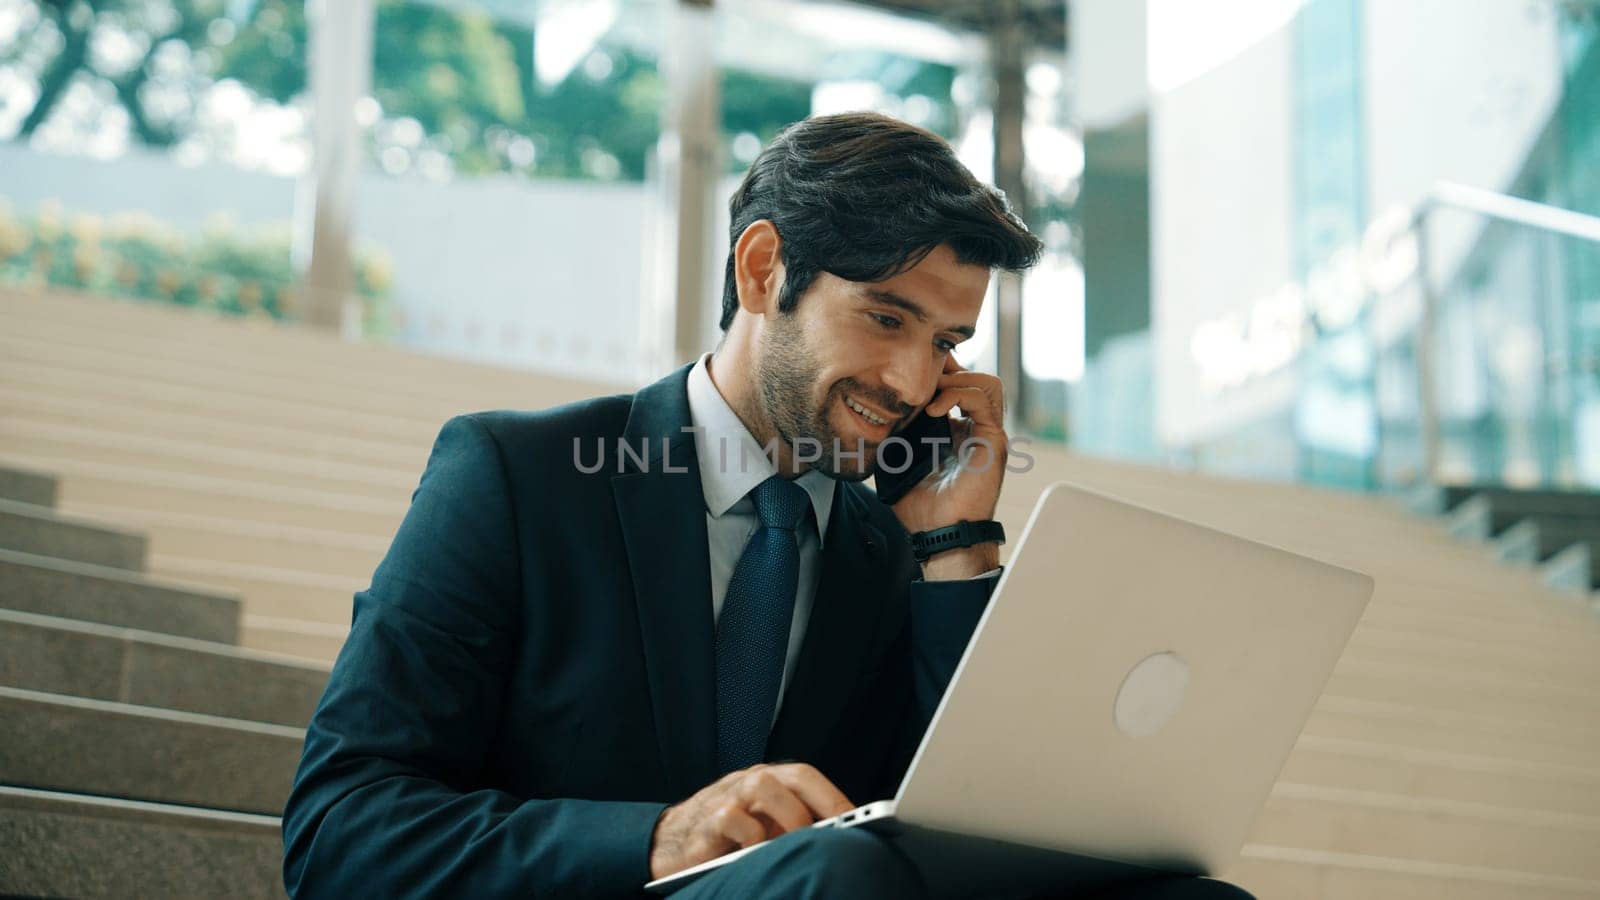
865 413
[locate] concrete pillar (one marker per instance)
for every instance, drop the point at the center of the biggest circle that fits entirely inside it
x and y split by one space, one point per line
340 70
1007 49
682 312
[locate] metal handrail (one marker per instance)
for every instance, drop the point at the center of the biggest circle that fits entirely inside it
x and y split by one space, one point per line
1507 208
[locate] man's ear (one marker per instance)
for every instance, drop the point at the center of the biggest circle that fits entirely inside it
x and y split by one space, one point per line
758 268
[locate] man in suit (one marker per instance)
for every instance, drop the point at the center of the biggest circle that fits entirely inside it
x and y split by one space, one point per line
621 637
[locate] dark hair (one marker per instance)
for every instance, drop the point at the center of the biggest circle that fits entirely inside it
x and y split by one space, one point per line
866 197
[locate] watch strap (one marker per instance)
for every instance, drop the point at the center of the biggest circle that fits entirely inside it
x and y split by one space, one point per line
962 534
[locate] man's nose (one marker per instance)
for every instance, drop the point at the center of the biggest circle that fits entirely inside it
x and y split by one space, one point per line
910 376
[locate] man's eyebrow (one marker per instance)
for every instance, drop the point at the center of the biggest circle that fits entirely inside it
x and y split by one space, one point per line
911 306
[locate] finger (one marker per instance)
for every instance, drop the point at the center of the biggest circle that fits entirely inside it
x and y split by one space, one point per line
975 403
976 379
951 364
989 384
704 845
766 797
733 824
814 789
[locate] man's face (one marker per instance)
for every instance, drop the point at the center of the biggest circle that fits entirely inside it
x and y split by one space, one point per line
879 346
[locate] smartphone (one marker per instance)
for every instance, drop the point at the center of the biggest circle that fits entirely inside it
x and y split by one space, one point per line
901 466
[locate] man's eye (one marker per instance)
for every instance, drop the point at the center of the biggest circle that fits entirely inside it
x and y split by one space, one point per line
886 321
944 345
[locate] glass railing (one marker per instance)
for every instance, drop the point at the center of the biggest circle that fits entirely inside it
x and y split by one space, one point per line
1487 363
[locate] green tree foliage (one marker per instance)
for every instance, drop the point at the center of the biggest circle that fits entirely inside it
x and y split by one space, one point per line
72 24
267 50
466 80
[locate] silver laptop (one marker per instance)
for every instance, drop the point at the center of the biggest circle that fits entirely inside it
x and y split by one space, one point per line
1124 707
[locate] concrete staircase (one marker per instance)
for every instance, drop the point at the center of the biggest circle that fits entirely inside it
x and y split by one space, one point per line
1558 532
170 601
144 752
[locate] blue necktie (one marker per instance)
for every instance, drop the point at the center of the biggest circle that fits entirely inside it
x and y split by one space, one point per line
753 629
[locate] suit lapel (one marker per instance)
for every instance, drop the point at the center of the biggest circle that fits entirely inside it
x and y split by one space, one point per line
662 513
851 594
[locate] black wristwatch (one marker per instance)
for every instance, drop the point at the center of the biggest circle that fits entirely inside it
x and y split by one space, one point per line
962 534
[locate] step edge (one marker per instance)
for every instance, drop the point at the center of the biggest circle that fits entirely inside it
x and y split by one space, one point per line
156 713
51 801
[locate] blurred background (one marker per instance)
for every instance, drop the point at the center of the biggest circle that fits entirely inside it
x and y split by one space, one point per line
1320 240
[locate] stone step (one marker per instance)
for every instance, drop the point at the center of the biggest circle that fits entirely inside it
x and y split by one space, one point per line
1530 727
1443 775
35 439
1520 597
1487 691
53 587
305 640
99 848
1447 737
1550 662
1559 845
306 357
286 593
1473 583
1292 873
92 411
1509 621
52 378
313 551
1557 637
43 531
112 484
1516 598
56 742
1573 665
147 365
97 662
26 486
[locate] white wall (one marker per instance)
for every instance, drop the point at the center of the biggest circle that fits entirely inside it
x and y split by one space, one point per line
1107 57
558 264
1221 235
185 196
1454 96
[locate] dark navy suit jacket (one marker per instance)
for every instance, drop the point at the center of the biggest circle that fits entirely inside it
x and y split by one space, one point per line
529 680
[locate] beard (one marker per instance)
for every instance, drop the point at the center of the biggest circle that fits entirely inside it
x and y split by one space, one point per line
786 373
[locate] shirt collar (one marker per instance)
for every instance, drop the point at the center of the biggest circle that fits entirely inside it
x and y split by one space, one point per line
731 462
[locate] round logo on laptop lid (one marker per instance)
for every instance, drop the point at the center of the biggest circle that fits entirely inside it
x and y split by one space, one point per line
1151 694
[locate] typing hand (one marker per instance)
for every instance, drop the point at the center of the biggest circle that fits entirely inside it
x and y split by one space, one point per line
740 809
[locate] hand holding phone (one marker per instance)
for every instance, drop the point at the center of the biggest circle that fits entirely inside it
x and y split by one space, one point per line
967 467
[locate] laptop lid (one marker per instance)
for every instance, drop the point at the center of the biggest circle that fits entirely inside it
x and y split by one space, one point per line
1133 689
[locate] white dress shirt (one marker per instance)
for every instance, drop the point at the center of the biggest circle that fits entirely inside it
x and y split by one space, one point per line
731 465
